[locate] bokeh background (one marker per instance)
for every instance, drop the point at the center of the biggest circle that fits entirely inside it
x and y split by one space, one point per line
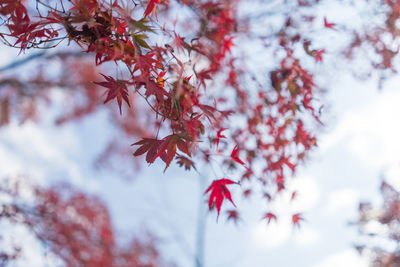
358 148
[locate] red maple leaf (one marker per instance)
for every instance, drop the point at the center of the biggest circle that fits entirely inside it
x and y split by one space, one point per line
145 63
247 193
267 196
228 43
318 55
149 146
164 148
15 8
293 196
179 43
235 157
269 216
219 135
219 191
233 215
151 8
296 218
160 78
151 87
184 161
328 24
116 89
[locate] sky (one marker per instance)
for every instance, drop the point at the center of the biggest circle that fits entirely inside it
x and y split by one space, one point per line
358 146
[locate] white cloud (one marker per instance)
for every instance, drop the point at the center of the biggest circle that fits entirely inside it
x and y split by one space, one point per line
370 132
348 257
306 236
341 199
273 235
32 149
308 193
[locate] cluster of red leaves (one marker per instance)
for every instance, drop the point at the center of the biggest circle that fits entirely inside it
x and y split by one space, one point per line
75 227
191 118
387 217
20 26
114 32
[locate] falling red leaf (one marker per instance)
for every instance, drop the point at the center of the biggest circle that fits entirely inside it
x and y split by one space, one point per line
328 24
219 191
116 89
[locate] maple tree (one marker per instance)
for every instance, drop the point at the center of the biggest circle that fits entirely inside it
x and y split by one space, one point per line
188 116
75 226
186 87
380 224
